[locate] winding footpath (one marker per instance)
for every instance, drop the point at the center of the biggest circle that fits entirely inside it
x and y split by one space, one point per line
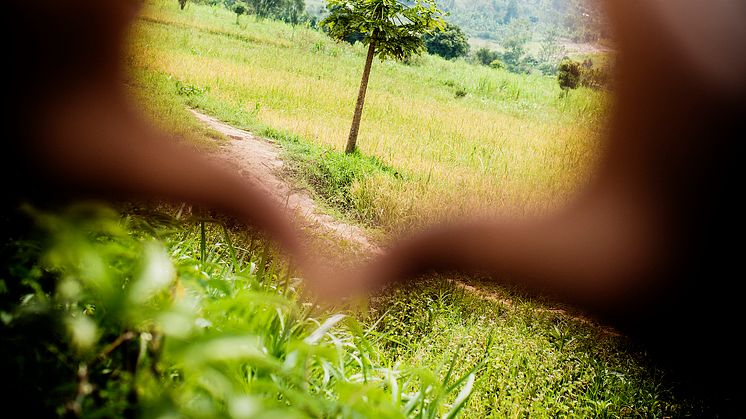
259 159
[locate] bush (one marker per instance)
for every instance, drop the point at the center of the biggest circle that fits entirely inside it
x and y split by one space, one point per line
450 43
568 75
497 64
595 78
571 74
486 56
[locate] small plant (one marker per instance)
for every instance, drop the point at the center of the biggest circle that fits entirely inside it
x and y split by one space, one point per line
189 90
319 46
497 64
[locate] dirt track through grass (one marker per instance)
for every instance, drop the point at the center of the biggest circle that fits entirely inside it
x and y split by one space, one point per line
258 159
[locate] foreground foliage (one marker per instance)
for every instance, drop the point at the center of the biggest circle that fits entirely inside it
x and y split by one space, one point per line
172 315
168 316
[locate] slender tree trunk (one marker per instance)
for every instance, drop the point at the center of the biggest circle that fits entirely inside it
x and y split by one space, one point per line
352 139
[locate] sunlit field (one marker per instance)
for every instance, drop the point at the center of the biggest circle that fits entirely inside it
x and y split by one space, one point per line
465 138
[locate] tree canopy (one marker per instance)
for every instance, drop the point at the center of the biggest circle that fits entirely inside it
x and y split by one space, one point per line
450 43
397 27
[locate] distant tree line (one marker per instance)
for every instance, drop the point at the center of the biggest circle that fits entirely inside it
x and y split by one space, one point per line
516 31
290 11
578 20
515 56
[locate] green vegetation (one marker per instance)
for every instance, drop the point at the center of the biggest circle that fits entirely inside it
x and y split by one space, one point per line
472 139
449 43
290 11
568 75
163 312
167 312
165 315
579 20
571 74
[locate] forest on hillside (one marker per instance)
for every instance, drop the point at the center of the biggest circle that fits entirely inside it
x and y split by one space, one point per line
577 20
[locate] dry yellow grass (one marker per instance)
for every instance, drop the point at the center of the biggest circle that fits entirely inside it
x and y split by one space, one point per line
510 145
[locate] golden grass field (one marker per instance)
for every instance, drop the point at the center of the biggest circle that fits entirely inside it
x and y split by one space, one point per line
509 145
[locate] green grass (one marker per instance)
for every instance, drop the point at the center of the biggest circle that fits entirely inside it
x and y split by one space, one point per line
166 313
509 144
170 314
159 94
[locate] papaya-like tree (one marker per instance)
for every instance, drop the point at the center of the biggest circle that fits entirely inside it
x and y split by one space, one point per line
392 29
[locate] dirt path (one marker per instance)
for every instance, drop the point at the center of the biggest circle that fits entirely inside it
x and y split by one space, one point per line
258 158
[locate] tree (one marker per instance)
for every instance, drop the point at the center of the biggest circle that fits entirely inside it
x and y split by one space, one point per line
450 43
239 8
568 75
486 56
391 29
269 8
550 52
517 35
293 11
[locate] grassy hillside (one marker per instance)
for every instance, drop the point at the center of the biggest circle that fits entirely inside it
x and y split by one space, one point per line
464 138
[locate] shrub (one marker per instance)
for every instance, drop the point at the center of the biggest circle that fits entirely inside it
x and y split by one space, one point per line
571 74
595 78
486 56
568 75
497 64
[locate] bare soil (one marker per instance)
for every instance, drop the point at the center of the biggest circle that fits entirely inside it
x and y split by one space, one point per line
259 159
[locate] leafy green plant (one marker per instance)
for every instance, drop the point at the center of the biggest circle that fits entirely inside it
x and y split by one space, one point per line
333 175
176 315
188 90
